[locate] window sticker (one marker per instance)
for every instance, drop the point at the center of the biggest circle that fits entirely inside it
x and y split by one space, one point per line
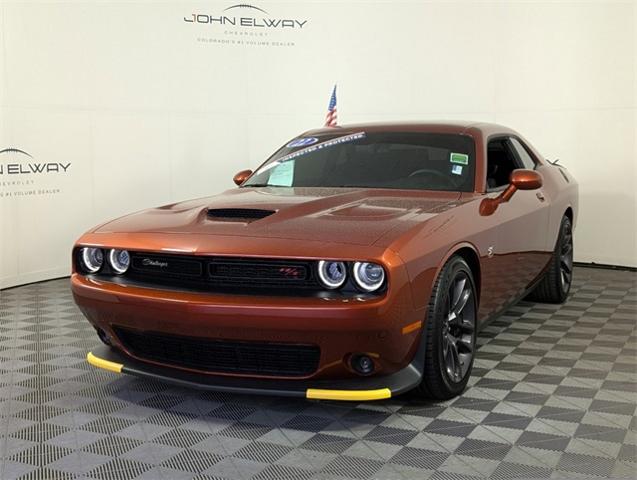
456 169
312 148
460 158
319 146
282 175
302 142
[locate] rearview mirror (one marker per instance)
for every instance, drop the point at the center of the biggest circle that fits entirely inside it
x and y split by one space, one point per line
242 176
520 179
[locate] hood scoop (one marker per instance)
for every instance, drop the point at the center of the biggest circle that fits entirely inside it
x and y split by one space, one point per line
238 214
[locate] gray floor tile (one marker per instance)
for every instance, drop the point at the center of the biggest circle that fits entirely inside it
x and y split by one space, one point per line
553 395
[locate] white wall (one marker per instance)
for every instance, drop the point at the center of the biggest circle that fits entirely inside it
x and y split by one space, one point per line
147 115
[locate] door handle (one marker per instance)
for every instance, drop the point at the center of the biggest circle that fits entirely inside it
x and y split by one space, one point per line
540 196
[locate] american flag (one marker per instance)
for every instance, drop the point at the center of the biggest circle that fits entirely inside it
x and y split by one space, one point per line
330 118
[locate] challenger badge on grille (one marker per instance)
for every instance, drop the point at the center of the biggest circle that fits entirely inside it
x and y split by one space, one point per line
166 265
149 262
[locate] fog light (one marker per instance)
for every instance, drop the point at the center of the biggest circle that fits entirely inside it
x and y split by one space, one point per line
362 364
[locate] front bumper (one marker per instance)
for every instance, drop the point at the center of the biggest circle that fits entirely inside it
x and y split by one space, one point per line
387 329
357 389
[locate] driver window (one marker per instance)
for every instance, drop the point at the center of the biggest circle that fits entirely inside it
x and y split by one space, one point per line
500 163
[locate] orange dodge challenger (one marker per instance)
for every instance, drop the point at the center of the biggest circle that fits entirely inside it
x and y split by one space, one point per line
356 263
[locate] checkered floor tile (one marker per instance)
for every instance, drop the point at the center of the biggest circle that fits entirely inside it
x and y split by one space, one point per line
553 395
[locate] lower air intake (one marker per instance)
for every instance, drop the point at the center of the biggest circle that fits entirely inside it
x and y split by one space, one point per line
222 356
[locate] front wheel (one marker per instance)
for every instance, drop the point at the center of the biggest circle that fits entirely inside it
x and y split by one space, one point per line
450 332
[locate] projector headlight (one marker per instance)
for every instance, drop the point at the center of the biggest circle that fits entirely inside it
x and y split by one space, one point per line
332 274
91 259
368 276
119 260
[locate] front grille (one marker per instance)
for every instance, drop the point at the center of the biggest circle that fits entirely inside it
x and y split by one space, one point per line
264 272
207 273
222 356
238 213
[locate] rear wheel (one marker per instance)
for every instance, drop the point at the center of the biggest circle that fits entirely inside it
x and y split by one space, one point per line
450 332
556 283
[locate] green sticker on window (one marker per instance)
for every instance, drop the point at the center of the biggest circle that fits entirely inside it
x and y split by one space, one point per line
461 158
282 175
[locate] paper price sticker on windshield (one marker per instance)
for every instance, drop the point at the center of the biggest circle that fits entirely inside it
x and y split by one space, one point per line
460 158
282 175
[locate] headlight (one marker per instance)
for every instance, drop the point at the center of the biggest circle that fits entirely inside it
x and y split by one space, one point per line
369 276
119 260
332 274
91 259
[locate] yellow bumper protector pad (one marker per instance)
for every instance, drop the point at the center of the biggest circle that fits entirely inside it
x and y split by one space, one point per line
352 395
313 393
105 364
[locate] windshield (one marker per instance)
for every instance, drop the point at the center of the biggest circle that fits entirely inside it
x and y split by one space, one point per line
404 160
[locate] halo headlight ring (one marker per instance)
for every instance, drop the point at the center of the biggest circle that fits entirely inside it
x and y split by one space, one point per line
368 276
119 260
332 274
91 259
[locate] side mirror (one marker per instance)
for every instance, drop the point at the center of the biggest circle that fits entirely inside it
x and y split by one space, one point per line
520 180
525 179
242 176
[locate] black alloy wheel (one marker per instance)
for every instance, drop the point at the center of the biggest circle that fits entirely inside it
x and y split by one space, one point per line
450 332
458 328
556 282
566 257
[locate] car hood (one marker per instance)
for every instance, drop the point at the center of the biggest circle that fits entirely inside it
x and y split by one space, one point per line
336 215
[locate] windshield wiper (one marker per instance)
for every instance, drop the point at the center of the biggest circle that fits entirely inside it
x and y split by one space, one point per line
259 185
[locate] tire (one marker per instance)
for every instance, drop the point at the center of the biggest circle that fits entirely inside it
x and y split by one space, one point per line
556 282
453 283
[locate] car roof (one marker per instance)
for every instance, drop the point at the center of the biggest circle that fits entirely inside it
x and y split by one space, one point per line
453 127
